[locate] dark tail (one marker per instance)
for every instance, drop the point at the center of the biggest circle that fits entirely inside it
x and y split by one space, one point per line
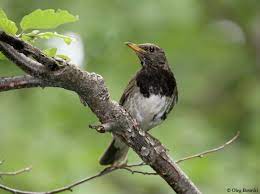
115 154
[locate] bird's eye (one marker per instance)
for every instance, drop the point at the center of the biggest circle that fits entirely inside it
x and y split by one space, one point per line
151 49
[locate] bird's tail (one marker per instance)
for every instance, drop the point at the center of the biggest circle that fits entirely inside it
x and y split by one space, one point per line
115 154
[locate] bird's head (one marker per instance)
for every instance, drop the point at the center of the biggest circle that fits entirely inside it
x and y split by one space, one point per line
150 55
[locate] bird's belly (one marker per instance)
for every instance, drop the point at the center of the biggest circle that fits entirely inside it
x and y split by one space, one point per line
147 111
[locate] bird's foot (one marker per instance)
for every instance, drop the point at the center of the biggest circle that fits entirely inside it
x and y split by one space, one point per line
120 164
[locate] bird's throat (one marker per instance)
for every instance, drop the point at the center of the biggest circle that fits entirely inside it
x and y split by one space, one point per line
156 80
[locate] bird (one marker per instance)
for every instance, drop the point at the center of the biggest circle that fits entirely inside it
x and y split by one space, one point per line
149 97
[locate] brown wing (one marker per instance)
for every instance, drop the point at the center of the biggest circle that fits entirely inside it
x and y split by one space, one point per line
174 101
131 85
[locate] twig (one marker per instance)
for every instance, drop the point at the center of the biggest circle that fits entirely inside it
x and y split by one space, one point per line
62 189
109 170
27 64
136 165
199 155
137 171
15 172
106 127
71 186
17 82
202 154
29 50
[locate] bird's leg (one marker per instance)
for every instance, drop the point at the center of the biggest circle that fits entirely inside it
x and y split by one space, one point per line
121 164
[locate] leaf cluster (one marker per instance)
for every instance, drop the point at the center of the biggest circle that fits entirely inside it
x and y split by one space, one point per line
31 27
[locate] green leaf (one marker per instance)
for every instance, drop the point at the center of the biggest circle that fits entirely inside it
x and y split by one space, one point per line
2 14
46 19
2 57
7 25
65 57
48 35
30 37
33 33
51 52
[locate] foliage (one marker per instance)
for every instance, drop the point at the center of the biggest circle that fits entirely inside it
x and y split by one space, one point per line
46 19
39 19
7 25
2 57
51 52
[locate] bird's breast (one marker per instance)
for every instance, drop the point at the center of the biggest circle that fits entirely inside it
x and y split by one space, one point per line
148 111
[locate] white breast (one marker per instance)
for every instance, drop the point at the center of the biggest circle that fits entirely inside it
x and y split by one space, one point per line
147 111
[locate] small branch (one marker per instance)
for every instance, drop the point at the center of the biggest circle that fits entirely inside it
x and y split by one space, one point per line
18 82
137 165
27 64
21 171
137 171
107 171
71 186
202 154
103 128
29 50
62 189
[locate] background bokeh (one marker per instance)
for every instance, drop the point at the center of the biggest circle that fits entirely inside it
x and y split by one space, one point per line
214 49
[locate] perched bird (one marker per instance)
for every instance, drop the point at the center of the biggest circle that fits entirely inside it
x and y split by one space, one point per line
149 97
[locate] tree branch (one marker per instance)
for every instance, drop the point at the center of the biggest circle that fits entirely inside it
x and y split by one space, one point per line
25 63
109 170
62 189
202 154
18 82
27 169
29 50
71 186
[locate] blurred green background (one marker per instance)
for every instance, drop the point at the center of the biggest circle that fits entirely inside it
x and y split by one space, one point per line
214 49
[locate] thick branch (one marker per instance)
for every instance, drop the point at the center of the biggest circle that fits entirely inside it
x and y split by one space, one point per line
18 82
92 90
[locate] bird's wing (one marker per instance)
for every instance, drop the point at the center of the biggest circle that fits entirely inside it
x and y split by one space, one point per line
174 100
129 89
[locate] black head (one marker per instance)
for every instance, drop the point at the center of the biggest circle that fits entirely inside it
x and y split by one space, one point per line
150 55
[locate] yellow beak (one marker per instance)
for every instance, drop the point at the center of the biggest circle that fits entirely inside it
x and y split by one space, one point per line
135 47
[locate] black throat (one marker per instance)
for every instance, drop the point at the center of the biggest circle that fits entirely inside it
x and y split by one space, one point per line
156 80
